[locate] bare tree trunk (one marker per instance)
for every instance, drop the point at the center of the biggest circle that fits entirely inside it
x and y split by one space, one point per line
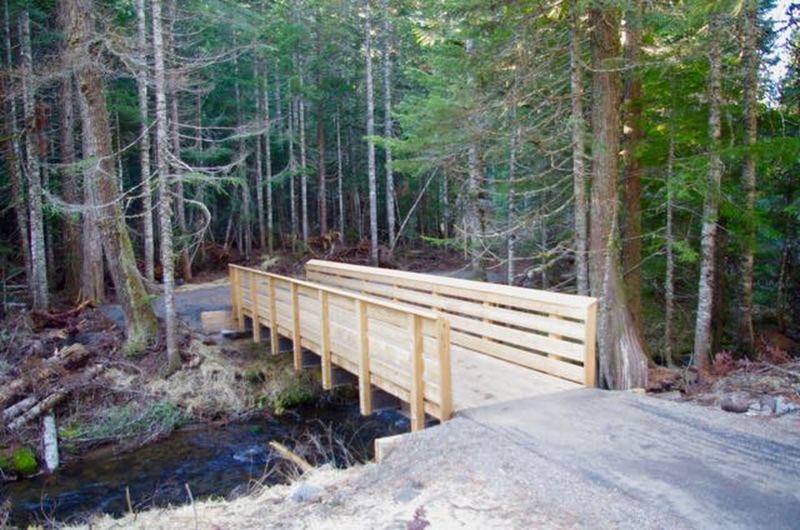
144 144
623 364
339 173
13 152
371 177
301 106
142 327
750 66
578 153
293 171
38 281
387 125
632 189
268 160
473 211
246 217
165 192
669 281
262 229
174 131
72 227
92 267
323 194
705 294
445 198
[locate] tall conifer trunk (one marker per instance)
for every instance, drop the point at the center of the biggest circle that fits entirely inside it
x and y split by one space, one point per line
38 280
578 153
165 191
144 143
141 325
371 176
706 288
622 360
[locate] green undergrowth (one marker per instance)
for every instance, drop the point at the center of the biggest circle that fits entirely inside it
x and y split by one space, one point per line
132 420
19 461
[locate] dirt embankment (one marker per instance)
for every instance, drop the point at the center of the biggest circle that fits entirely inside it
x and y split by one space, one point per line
107 399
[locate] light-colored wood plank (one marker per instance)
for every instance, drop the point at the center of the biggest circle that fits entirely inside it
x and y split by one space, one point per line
297 351
445 370
417 367
590 361
364 382
325 343
254 309
274 339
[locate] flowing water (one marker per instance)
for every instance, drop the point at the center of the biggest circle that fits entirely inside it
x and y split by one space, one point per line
212 461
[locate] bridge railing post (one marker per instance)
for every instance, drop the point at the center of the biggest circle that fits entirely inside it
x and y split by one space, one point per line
417 394
364 379
445 369
254 308
274 340
590 341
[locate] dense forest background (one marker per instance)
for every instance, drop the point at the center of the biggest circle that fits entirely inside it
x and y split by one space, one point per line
641 151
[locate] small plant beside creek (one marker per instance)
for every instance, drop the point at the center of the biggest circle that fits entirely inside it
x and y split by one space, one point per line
131 423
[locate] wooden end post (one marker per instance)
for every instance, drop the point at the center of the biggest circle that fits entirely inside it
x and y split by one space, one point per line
417 394
325 342
590 341
445 370
239 308
296 346
254 308
232 277
364 382
274 340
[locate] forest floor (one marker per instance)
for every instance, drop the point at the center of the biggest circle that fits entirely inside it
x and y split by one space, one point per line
578 459
502 483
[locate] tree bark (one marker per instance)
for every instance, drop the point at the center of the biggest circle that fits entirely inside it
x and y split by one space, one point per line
165 192
706 288
669 280
623 364
371 176
387 124
144 143
323 193
268 161
72 225
750 66
12 152
38 281
175 137
632 189
141 325
262 228
578 153
339 173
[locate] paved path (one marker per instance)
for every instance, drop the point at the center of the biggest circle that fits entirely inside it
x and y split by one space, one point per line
190 301
624 460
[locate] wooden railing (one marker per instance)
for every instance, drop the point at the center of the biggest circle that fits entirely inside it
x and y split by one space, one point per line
549 332
401 349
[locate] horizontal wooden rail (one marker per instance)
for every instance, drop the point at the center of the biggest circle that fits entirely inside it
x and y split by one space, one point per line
401 349
549 332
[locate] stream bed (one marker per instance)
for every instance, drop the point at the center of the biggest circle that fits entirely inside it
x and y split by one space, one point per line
221 461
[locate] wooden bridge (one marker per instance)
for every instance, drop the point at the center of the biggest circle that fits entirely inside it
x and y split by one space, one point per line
438 344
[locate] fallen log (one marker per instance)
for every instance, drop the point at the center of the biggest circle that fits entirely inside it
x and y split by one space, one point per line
52 400
50 442
18 408
46 319
68 357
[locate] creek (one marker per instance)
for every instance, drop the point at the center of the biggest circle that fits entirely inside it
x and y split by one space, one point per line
214 461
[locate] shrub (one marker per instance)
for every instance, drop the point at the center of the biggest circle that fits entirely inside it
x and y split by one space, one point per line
723 363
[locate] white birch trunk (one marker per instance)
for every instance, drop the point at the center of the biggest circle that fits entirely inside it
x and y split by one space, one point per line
339 174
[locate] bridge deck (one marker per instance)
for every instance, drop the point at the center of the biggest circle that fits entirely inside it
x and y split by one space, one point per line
393 331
